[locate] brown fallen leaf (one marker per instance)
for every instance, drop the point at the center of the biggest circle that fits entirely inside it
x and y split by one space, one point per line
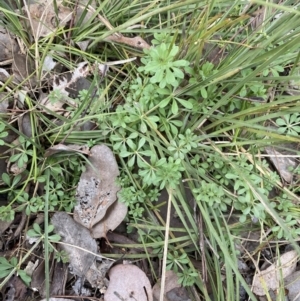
4 225
270 278
78 242
42 18
8 46
83 149
58 273
136 42
112 219
173 290
14 290
22 68
283 162
128 282
292 284
97 188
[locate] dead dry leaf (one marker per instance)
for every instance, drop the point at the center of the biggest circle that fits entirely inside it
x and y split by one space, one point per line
128 282
96 275
58 273
4 225
83 149
24 124
282 162
8 45
78 242
270 278
48 64
22 69
42 18
173 290
292 283
83 45
15 290
83 7
4 76
68 86
112 219
97 188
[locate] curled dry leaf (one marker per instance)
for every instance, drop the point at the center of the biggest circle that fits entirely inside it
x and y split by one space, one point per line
83 45
22 69
78 242
97 188
173 290
4 76
83 8
112 219
4 225
83 149
128 282
42 18
48 63
8 45
292 284
282 162
294 84
24 124
270 278
64 84
96 275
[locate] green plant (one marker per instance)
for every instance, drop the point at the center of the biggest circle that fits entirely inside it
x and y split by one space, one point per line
291 222
7 266
3 133
36 232
289 124
160 62
213 194
23 154
187 277
177 261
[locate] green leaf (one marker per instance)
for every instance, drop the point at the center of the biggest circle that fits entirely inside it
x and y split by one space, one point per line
174 108
6 179
131 161
143 127
50 228
141 142
41 179
37 228
6 266
3 134
54 238
4 273
131 144
164 102
32 233
3 260
15 157
203 92
124 153
280 122
187 104
14 261
24 277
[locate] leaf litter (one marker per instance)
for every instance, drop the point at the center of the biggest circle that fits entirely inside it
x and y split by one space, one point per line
271 277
